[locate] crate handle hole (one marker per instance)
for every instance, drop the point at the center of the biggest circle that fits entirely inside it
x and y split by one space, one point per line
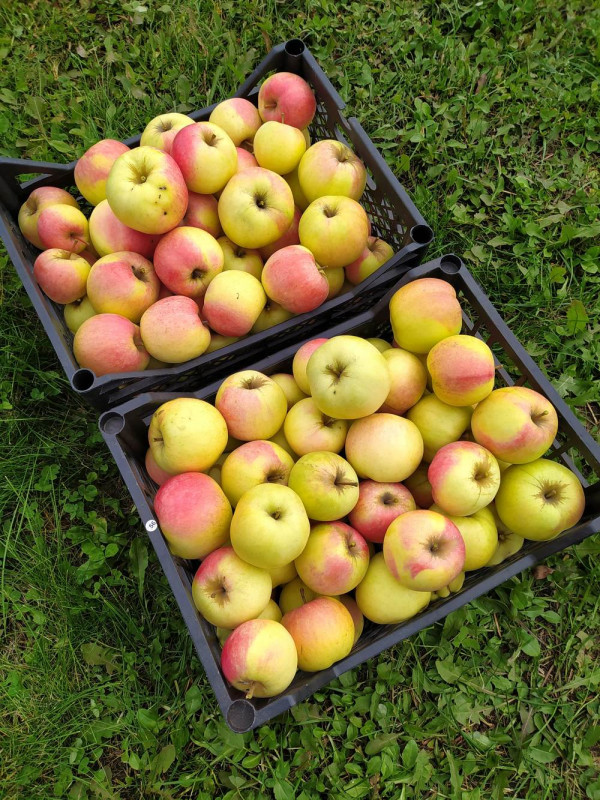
295 47
112 423
82 380
421 234
240 716
450 264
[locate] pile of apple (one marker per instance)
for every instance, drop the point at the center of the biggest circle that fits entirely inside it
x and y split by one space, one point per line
431 484
204 233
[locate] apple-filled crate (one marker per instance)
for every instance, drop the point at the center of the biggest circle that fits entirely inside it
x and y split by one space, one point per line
472 468
148 256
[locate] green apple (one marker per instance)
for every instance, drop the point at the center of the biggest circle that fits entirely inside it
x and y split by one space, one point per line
326 484
385 601
348 377
539 500
279 147
270 527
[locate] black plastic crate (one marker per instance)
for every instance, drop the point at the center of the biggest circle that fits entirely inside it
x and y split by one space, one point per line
393 214
125 430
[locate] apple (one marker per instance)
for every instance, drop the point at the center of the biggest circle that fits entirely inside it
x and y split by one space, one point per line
61 274
123 283
330 167
348 377
256 207
334 560
423 550
300 198
158 475
286 97
269 526
539 500
453 587
479 534
423 312
38 200
217 342
279 438
378 506
323 631
293 279
300 362
108 343
146 190
279 147
439 423
374 255
284 574
252 404
509 543
308 430
326 484
245 159
335 230
408 380
272 314
464 478
236 257
380 344
238 117
228 591
271 612
186 435
516 424
203 212
109 235
418 485
63 227
289 237
355 613
193 513
462 370
187 259
254 463
293 393
259 658
93 168
76 313
206 157
172 330
162 130
233 302
383 600
384 447
294 594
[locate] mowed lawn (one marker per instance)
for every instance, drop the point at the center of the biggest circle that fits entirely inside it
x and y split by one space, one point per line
489 114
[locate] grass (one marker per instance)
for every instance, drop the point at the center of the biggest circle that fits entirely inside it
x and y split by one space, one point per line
489 113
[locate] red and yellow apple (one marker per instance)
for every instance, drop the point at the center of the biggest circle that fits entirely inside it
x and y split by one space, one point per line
252 404
335 229
384 447
172 330
385 601
378 506
254 463
61 274
330 167
423 312
110 343
308 430
193 513
187 259
423 550
323 631
92 170
327 485
334 560
162 130
206 157
292 278
123 283
286 97
233 302
464 478
462 370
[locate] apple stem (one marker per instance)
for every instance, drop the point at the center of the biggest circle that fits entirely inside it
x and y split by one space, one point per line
303 594
250 692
